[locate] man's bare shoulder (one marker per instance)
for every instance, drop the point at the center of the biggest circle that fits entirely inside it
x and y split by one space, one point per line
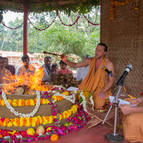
108 62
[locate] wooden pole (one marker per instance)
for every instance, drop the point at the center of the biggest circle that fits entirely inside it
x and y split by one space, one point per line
25 29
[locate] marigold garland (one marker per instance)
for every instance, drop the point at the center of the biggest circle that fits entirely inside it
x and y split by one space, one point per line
35 121
75 122
16 113
29 102
72 123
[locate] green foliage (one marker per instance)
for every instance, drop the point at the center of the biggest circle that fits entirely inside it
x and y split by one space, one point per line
80 39
67 6
12 39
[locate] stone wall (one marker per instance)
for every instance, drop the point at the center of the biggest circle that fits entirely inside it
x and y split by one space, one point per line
124 36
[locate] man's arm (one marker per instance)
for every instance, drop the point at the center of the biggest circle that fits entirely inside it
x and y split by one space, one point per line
83 63
19 71
128 109
137 100
111 79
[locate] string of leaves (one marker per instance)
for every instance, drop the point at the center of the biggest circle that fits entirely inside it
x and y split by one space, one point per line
67 6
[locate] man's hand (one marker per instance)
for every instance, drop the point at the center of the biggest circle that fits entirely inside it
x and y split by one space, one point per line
126 109
136 101
102 94
64 58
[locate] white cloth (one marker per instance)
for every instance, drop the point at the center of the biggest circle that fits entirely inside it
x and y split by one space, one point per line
81 73
121 101
72 88
46 76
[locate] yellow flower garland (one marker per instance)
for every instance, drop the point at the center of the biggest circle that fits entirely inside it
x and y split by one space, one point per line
29 102
38 120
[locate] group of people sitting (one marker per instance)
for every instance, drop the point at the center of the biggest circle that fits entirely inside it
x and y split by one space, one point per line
98 80
53 69
48 68
28 69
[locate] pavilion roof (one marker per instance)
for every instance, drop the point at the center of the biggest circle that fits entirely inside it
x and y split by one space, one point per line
37 6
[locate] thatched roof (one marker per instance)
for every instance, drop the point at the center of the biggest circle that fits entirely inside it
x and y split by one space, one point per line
81 6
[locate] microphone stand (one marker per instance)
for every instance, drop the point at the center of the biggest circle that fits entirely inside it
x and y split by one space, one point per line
114 137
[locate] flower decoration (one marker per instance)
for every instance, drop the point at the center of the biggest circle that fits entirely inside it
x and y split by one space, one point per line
54 137
40 130
114 3
38 127
30 131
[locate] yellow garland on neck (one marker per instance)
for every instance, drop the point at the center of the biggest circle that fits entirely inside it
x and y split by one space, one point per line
38 120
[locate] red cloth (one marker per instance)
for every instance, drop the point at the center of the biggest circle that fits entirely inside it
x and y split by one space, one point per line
65 71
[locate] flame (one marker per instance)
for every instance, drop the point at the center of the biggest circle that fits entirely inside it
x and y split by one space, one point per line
29 81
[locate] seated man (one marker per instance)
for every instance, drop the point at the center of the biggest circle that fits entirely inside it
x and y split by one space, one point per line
10 68
63 68
133 121
98 81
26 70
6 78
47 69
5 75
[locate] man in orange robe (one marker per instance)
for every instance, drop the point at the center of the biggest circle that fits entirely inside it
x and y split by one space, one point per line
100 77
133 121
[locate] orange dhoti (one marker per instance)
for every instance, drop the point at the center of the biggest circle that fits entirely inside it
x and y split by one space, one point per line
133 127
95 82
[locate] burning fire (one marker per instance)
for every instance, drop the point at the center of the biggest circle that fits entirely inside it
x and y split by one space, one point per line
30 82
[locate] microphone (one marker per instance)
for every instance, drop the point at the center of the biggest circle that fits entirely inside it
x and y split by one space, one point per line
122 77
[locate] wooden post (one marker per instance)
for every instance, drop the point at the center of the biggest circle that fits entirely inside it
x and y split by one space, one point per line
25 29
